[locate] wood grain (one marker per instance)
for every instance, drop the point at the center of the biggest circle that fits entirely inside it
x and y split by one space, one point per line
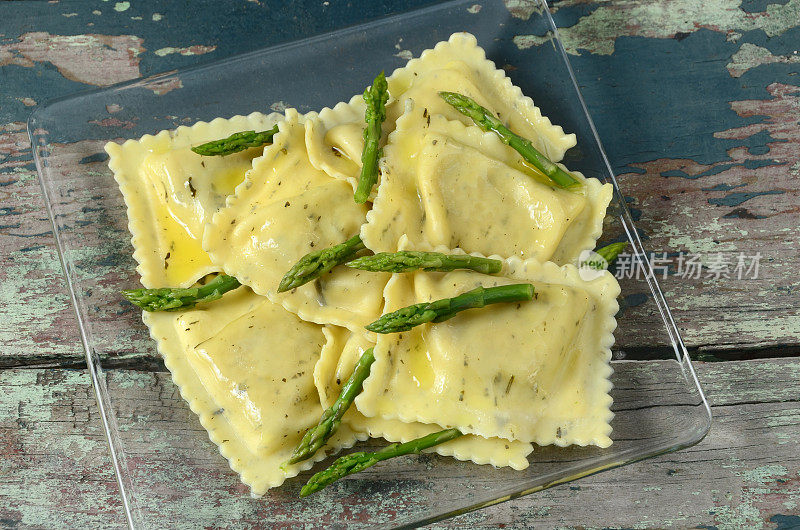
745 205
697 185
55 468
745 472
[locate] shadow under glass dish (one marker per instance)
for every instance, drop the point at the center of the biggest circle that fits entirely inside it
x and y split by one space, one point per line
166 466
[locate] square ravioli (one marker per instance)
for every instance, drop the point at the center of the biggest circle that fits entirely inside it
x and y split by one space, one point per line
447 184
218 353
337 361
533 371
284 209
334 137
245 366
171 193
460 65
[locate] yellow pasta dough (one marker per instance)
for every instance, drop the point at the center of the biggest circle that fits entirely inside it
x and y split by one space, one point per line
245 366
335 140
460 65
171 192
446 184
533 371
336 363
259 367
334 137
283 210
228 358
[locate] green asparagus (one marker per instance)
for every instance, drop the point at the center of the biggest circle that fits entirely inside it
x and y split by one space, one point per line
355 462
441 310
610 252
316 437
236 142
169 299
408 260
486 121
375 97
315 264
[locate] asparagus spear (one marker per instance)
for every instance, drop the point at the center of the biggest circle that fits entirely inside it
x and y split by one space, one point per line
441 310
355 462
408 260
486 121
315 264
236 142
375 97
610 252
169 299
316 437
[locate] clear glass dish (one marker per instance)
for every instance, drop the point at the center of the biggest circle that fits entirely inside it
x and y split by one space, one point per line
167 468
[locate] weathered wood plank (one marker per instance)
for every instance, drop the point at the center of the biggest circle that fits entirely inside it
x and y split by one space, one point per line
702 302
744 473
37 320
743 206
699 185
55 467
697 106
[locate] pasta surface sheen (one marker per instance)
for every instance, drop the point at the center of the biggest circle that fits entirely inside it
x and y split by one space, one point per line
533 371
337 361
284 209
447 184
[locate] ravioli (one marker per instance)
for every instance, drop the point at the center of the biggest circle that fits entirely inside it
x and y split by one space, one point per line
334 137
283 210
534 371
229 358
447 184
259 367
245 366
336 363
171 192
460 65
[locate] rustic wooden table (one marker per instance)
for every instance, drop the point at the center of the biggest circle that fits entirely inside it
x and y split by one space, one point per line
698 104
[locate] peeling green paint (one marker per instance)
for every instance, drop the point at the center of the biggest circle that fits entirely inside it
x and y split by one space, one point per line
279 106
186 50
764 474
679 239
745 513
35 268
91 59
523 42
750 56
522 9
122 6
598 31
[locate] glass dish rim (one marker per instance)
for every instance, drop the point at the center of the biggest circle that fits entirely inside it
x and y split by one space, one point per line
93 362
